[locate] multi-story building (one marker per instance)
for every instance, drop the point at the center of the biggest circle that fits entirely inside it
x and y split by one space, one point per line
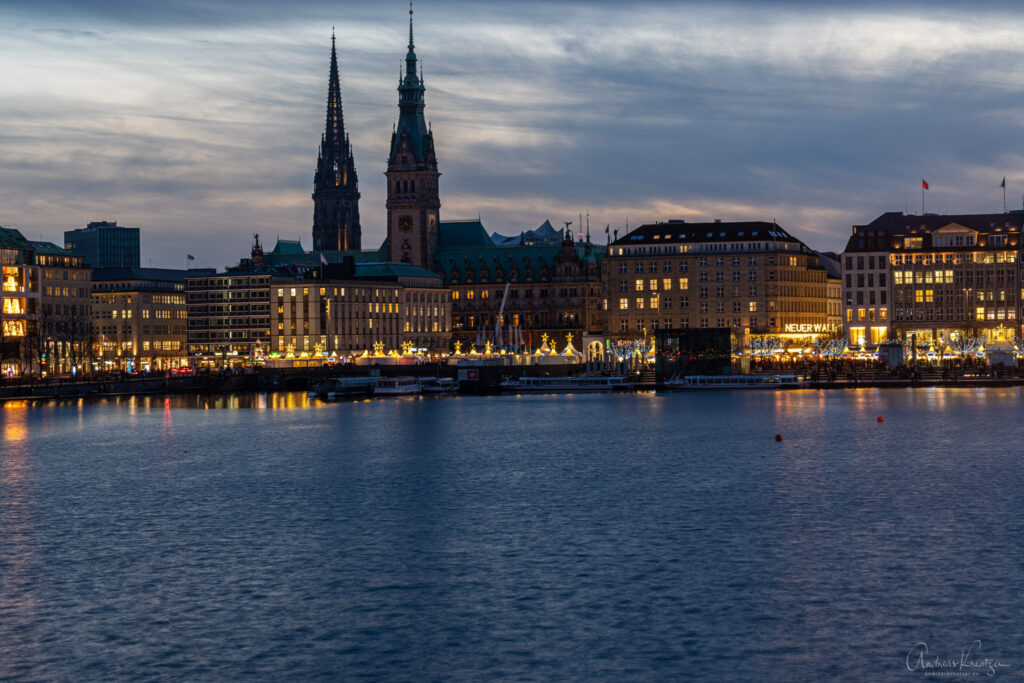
949 276
228 317
65 302
349 308
140 318
19 313
553 290
751 275
105 244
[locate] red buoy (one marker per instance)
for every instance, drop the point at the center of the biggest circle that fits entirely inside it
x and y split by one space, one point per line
880 419
778 437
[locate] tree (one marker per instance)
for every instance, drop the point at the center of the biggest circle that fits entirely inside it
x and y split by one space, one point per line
964 342
764 344
830 344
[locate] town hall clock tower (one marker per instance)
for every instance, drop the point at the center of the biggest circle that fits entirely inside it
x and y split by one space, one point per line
412 176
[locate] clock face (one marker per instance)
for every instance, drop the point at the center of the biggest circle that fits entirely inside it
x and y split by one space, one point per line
405 223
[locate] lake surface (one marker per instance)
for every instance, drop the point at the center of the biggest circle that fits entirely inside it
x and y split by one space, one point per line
618 538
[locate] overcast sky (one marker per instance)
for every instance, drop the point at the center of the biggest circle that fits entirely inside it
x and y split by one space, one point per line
199 121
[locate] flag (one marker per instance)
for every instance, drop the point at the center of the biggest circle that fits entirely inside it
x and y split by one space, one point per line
607 229
924 184
191 257
323 259
1003 184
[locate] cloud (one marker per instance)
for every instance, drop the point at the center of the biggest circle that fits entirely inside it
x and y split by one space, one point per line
200 121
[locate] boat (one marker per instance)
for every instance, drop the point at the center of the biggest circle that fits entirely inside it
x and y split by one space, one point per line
563 384
733 382
439 385
334 388
397 386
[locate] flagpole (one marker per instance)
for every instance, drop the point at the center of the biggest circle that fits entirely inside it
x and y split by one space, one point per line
1004 194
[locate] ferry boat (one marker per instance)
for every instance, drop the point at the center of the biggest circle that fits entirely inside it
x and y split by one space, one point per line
734 382
565 385
397 386
334 388
439 385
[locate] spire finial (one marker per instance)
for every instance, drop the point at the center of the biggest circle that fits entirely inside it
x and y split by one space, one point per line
332 34
410 24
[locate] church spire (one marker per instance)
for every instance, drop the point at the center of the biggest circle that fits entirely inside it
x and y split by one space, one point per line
335 133
335 186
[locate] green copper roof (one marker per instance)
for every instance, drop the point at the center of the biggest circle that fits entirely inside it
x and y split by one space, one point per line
50 249
457 234
389 270
12 239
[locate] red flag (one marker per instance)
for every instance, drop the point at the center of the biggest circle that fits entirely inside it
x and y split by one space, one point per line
924 184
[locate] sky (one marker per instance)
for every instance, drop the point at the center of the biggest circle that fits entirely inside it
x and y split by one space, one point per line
199 121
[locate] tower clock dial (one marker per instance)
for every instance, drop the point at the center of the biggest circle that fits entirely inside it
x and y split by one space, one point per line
405 223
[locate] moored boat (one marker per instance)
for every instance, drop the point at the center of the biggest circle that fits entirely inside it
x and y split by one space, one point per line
563 385
397 386
334 388
439 385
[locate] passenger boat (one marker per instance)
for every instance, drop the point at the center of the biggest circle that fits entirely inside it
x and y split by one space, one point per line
334 388
734 382
563 385
397 386
439 385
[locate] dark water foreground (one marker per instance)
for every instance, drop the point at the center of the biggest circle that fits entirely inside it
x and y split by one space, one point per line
613 538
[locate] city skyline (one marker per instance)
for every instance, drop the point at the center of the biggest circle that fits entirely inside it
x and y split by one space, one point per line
202 127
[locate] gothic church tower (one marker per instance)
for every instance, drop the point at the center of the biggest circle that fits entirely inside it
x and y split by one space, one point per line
413 201
335 186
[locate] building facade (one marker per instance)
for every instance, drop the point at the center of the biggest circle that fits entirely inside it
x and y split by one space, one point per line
65 310
19 312
140 319
350 308
413 199
105 244
936 278
751 275
228 317
335 185
553 291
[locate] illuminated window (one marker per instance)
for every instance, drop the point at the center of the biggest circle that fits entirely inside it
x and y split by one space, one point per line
13 306
980 312
623 304
639 285
666 284
654 301
639 303
860 315
684 283
752 307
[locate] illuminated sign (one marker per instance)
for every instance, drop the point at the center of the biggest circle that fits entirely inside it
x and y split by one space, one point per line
814 328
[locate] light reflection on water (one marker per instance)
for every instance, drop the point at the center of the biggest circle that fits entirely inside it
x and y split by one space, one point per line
615 537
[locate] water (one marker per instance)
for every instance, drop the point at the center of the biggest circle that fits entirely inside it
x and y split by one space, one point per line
614 538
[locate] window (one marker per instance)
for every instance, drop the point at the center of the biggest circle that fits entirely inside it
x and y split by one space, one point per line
666 284
652 267
703 292
666 302
752 306
666 267
622 267
753 290
653 285
639 284
639 303
623 304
